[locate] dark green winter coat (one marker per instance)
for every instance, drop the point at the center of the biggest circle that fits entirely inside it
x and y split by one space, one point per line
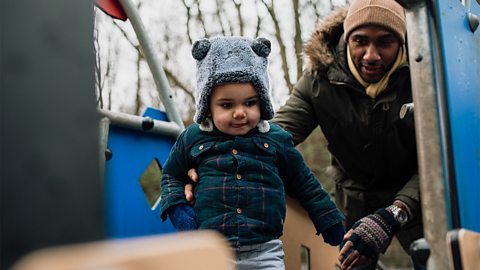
242 183
373 150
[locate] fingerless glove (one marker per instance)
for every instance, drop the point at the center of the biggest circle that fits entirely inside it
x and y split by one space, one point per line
373 233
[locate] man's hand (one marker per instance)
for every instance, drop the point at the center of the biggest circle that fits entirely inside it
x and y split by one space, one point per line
192 173
368 237
349 257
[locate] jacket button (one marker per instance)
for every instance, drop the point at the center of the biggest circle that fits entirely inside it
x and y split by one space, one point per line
239 176
234 151
200 147
239 210
385 107
265 145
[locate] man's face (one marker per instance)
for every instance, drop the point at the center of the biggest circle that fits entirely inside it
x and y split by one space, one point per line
373 50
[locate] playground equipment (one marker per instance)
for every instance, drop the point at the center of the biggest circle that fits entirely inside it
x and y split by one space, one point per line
205 250
444 42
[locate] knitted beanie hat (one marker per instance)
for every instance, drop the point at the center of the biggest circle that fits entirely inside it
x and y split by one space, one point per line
385 13
223 60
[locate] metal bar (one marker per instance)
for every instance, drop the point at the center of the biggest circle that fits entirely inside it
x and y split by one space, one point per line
158 73
427 126
103 137
146 124
452 205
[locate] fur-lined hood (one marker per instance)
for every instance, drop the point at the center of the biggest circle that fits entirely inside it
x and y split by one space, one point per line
319 48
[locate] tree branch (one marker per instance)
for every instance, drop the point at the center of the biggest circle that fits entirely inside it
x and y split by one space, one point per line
281 44
259 22
98 68
138 101
176 81
218 5
201 20
189 35
238 6
298 39
124 33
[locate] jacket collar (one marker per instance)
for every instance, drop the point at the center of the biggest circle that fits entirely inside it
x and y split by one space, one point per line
338 70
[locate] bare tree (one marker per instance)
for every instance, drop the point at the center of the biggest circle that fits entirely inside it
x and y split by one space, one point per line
100 75
297 39
283 51
138 97
99 78
200 18
241 24
188 8
206 18
218 14
137 101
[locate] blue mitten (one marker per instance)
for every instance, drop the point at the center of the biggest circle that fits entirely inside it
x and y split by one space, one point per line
333 235
183 217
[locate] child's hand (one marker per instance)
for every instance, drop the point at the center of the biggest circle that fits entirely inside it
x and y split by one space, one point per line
183 217
334 234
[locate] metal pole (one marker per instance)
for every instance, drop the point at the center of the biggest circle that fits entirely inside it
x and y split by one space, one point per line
427 126
141 123
103 137
159 76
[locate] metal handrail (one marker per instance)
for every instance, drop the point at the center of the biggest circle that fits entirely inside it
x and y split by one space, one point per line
153 61
141 123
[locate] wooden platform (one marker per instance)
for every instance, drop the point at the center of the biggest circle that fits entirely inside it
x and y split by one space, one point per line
464 249
180 251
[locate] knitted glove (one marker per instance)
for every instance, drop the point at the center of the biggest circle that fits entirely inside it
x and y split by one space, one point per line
333 235
182 217
373 233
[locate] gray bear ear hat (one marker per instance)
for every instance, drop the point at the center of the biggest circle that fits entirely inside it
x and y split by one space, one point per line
223 60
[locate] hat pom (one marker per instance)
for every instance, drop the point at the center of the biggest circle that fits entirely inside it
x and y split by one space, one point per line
263 126
200 49
261 46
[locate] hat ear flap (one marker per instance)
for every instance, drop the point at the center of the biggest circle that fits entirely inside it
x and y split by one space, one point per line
200 49
261 46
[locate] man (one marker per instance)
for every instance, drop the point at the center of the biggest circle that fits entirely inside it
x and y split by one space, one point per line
356 81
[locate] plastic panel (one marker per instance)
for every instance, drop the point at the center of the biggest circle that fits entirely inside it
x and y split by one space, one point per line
461 52
128 212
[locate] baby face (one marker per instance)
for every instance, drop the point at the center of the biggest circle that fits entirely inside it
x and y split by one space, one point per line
235 108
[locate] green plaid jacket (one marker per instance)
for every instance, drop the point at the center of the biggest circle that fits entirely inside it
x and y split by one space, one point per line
243 180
